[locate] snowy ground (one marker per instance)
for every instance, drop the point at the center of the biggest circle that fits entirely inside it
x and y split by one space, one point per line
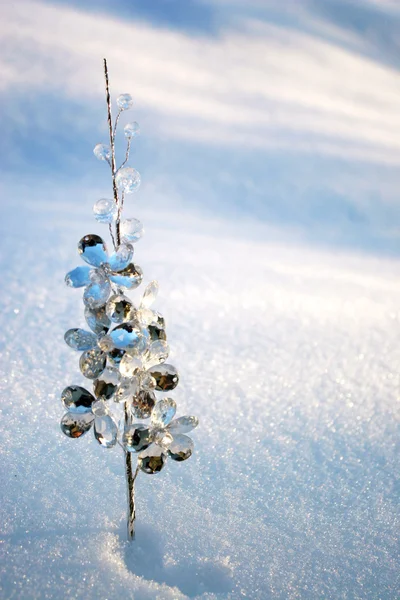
290 358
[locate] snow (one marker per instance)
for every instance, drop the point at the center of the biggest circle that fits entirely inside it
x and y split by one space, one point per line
288 355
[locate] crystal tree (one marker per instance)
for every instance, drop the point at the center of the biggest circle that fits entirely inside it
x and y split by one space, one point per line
124 354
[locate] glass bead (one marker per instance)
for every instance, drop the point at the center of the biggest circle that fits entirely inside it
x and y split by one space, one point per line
102 152
76 399
142 404
127 336
136 437
183 425
96 294
131 130
100 408
126 390
163 412
130 278
124 101
116 355
162 437
79 339
106 385
129 365
181 447
105 343
128 179
157 353
146 381
166 377
78 277
105 431
149 294
156 333
120 259
76 425
131 230
92 363
97 319
152 459
120 309
93 250
105 210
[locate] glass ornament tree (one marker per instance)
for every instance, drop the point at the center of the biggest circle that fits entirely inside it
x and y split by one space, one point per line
124 353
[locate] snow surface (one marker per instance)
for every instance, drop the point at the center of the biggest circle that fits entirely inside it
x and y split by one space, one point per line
290 358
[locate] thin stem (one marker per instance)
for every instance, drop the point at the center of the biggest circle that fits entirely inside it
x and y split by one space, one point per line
128 148
116 123
112 236
110 129
130 488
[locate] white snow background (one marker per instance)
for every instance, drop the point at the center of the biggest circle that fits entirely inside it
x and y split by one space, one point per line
270 163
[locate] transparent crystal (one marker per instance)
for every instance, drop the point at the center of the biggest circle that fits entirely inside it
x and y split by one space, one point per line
105 343
163 412
79 339
120 259
76 425
124 101
128 179
142 404
100 408
146 381
156 333
157 353
76 399
126 390
105 210
136 437
78 277
93 250
120 309
166 377
116 355
162 437
96 294
127 336
131 230
181 447
106 385
183 425
92 363
97 319
145 315
130 278
149 294
152 459
105 431
102 152
129 365
131 130
159 320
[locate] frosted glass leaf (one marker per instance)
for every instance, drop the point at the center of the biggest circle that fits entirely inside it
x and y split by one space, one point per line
149 294
78 277
96 294
183 425
152 459
76 399
157 353
166 377
126 390
105 210
76 425
106 385
163 412
92 363
102 152
120 259
142 404
100 408
97 319
93 250
79 339
136 437
127 336
181 447
130 278
105 431
120 309
124 101
129 365
131 230
128 180
131 130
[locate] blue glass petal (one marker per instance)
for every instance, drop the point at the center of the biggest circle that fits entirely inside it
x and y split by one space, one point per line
126 336
120 259
81 340
130 278
93 250
96 294
78 277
